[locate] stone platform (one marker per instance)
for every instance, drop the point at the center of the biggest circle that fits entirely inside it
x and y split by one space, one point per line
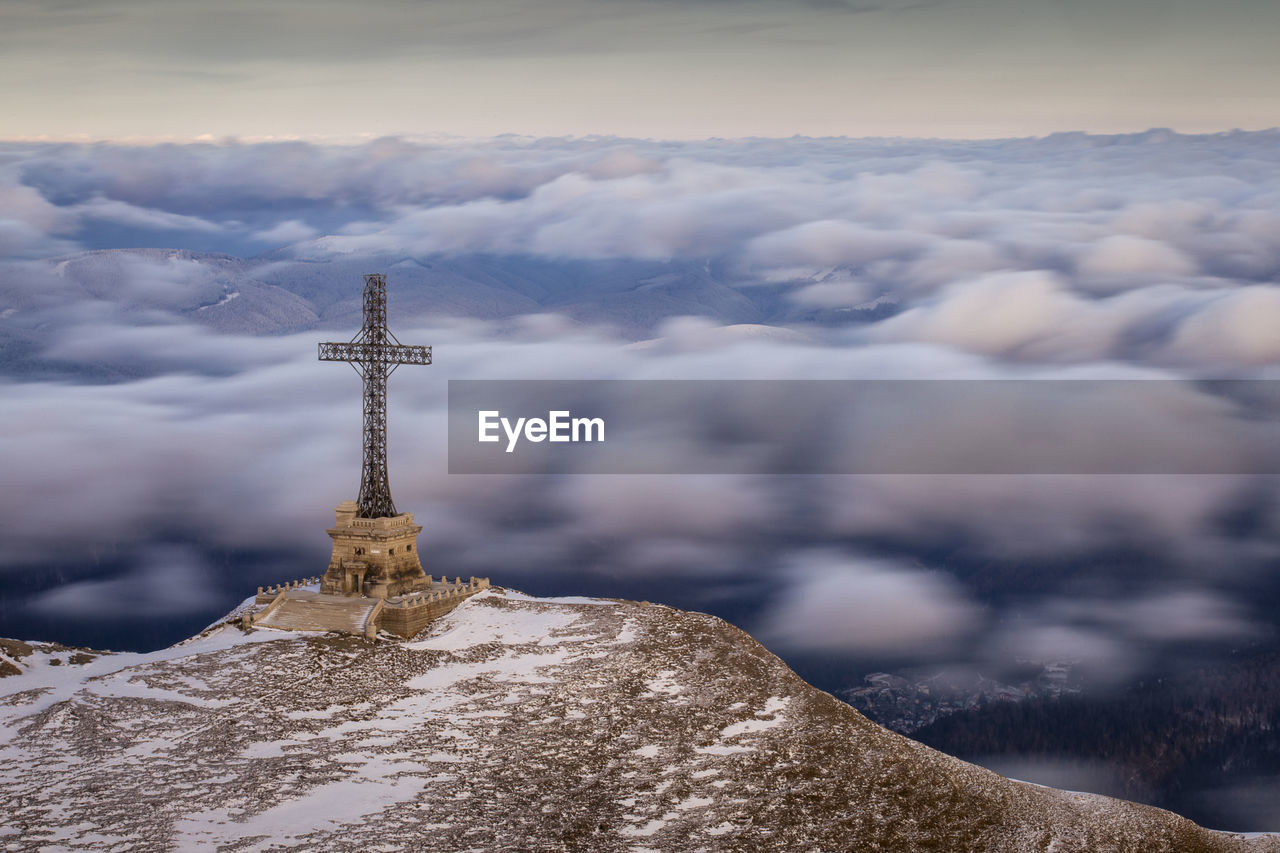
303 607
305 610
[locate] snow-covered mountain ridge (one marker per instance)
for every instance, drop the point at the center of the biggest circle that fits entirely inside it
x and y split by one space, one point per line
513 723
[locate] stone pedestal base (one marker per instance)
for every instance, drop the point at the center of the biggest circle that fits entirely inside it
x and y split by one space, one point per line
377 557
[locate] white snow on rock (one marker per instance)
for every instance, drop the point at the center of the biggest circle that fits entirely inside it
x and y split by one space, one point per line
455 631
511 723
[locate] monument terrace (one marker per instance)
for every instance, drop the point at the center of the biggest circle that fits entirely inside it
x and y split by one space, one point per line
375 580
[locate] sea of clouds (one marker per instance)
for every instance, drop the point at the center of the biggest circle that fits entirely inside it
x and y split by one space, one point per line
146 448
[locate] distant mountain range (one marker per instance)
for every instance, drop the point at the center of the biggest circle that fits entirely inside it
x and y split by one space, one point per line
1197 743
279 293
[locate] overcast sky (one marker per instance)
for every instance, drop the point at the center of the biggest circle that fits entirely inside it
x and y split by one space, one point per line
138 69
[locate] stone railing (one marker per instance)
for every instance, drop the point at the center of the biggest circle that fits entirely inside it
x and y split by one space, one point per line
405 616
404 519
460 589
250 619
284 587
371 621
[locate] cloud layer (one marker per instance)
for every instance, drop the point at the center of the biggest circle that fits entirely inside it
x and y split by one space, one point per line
1154 247
168 404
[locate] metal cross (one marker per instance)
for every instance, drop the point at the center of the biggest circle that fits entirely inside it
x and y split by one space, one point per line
375 354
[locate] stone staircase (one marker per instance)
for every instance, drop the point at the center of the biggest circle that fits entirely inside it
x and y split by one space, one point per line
304 610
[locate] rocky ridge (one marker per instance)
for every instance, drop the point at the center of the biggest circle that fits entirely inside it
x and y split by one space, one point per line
513 723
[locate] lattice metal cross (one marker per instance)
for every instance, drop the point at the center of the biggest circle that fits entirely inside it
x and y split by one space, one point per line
375 354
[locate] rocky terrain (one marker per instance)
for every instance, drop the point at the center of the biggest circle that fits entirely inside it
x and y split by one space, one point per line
511 724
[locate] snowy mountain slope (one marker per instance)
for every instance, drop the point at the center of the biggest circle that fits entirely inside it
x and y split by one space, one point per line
512 723
216 290
277 293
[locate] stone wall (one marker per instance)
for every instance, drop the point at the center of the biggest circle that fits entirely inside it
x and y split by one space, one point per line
408 617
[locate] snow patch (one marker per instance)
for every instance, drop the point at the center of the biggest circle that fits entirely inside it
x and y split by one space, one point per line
365 792
223 301
469 626
771 709
647 829
721 749
663 684
512 595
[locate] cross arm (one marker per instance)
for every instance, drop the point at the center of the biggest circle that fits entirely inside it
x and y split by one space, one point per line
359 352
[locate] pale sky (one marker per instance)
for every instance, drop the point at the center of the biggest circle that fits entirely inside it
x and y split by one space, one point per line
322 69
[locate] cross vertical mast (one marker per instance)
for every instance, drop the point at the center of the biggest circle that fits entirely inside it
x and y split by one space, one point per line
375 487
375 353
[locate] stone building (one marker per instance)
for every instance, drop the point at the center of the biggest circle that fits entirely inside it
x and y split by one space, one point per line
377 557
